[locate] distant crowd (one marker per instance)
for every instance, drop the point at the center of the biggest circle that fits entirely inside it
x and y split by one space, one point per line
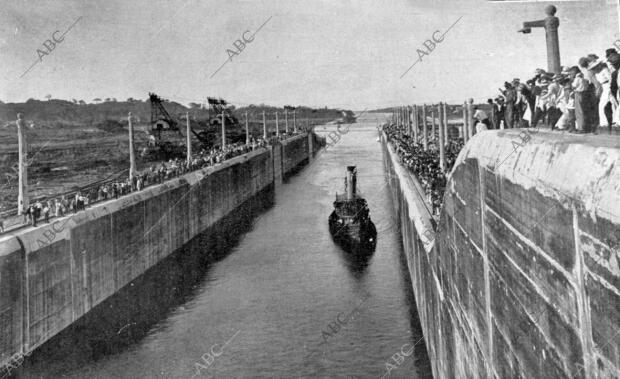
579 99
42 210
424 164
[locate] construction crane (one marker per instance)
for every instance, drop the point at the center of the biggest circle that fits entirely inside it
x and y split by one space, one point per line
161 128
217 107
163 125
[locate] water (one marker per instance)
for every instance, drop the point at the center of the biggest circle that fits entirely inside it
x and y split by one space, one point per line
268 306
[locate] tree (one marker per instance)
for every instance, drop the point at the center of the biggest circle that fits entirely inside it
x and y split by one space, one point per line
130 99
81 102
74 101
194 105
48 97
96 100
107 99
114 99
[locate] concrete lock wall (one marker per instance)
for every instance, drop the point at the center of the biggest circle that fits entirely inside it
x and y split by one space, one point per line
520 277
296 151
53 274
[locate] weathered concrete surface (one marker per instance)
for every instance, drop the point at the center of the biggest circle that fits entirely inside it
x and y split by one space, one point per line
53 274
520 277
296 151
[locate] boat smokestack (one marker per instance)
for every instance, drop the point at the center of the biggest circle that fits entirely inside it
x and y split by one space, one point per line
351 182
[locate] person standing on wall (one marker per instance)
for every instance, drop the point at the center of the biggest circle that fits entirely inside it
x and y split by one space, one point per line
590 95
482 117
603 76
30 213
510 96
46 213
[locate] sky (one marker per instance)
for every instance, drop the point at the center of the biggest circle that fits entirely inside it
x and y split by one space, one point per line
338 53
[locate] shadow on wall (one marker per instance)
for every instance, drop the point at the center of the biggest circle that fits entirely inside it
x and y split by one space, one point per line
127 317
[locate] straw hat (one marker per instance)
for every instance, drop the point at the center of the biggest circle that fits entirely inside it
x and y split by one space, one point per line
595 63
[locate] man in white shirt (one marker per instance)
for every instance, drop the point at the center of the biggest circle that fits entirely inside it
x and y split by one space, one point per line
482 117
603 76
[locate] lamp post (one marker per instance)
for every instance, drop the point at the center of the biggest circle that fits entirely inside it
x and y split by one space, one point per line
551 25
247 130
433 122
188 133
445 124
424 128
22 196
264 127
132 154
286 120
442 149
223 130
465 120
471 121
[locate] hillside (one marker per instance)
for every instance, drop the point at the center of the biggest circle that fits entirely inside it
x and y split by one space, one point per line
71 144
62 113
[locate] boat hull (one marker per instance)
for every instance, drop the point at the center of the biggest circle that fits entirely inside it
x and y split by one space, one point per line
353 234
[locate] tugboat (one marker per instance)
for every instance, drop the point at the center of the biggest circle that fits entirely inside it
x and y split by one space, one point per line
349 223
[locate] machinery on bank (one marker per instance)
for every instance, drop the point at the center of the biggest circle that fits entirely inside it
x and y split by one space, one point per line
166 140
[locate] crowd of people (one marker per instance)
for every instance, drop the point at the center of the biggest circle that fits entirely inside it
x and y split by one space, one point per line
424 164
42 210
580 99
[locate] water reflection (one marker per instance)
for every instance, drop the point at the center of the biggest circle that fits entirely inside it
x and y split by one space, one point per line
357 261
135 311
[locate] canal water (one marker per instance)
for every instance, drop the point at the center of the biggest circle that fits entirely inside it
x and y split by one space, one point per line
279 300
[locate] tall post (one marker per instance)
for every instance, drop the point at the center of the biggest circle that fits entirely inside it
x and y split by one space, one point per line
22 196
295 121
416 123
264 126
464 130
470 111
445 123
424 128
223 130
551 25
398 117
277 126
442 149
286 120
188 132
132 154
433 122
408 109
247 130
